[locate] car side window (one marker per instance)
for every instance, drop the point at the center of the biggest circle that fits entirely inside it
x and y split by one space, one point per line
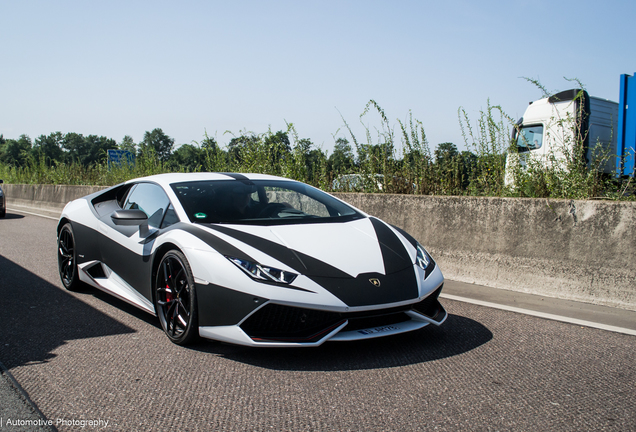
170 217
151 199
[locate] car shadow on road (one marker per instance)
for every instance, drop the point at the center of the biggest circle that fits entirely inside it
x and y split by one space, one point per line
121 305
13 216
37 317
456 336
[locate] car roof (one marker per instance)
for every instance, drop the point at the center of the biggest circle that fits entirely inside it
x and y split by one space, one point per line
167 179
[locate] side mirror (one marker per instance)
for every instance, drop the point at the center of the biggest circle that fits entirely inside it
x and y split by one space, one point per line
1 181
129 217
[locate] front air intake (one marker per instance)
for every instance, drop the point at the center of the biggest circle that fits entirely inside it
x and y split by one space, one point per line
279 323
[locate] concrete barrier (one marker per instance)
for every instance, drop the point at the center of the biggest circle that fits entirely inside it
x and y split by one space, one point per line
574 250
48 197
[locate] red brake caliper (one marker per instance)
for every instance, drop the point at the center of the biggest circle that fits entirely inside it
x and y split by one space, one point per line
168 294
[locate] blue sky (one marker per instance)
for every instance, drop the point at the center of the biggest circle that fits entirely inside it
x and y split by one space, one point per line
122 68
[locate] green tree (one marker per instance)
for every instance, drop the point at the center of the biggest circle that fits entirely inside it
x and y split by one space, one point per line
212 157
445 153
127 143
158 142
342 159
467 167
49 148
88 150
278 146
97 147
316 163
188 157
75 147
209 143
454 170
307 162
239 146
16 152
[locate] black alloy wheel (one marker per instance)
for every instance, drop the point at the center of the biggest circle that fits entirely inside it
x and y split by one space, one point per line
67 258
175 299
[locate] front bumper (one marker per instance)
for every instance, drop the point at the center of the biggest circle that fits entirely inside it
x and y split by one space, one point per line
275 325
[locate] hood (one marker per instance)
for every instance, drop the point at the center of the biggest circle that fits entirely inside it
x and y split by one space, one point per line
340 250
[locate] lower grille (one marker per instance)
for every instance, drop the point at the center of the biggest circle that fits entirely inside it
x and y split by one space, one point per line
285 323
431 307
280 323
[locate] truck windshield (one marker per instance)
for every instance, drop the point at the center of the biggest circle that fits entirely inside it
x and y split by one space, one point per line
530 138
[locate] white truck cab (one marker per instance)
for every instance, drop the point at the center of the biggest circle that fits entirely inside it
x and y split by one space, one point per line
551 126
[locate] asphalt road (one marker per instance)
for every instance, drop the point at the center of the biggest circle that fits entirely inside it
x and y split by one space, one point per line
88 357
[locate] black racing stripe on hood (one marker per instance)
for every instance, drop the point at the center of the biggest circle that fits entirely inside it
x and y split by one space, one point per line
361 291
237 176
394 287
224 248
394 255
303 264
220 245
406 235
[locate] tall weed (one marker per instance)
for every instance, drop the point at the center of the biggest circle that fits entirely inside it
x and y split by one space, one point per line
489 140
385 161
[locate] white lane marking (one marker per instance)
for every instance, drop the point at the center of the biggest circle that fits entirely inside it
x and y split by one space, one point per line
34 214
541 314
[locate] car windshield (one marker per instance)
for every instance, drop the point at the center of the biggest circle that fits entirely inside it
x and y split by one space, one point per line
259 202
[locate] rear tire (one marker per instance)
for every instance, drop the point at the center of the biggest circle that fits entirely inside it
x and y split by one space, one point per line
67 259
175 299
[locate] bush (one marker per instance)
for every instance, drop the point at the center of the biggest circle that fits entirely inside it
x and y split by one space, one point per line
384 162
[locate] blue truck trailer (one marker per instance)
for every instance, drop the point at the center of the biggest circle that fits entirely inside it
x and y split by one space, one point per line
626 134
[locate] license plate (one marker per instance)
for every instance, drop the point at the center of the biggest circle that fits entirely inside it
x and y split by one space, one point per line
377 330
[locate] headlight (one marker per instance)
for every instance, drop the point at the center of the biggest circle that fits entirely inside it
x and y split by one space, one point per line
263 273
423 259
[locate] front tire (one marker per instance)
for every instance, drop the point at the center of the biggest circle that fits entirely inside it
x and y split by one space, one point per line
175 299
67 259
